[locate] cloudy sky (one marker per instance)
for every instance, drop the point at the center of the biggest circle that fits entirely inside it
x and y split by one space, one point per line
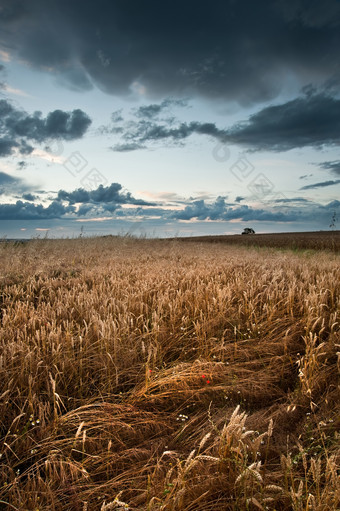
168 118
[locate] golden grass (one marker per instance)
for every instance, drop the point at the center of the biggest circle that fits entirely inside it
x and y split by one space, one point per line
317 240
162 375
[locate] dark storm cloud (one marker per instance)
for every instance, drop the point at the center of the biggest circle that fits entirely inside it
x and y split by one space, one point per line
240 50
103 194
312 13
6 146
138 133
148 124
311 120
27 211
93 203
18 129
219 210
323 184
200 210
29 197
333 166
10 185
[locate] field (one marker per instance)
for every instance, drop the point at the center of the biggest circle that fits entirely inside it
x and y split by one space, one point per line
319 240
167 375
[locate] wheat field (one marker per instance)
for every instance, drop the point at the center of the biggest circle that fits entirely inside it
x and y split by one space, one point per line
161 375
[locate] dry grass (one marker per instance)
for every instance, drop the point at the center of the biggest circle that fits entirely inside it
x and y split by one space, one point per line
317 240
161 375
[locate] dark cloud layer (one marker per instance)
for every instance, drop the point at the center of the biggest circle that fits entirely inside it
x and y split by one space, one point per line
220 210
102 200
333 166
112 194
322 184
240 50
146 131
109 200
149 126
28 211
312 119
18 129
200 210
10 185
29 197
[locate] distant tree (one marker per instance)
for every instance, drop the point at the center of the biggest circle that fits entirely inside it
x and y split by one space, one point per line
248 230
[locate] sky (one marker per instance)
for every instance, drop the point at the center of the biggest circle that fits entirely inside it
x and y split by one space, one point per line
169 118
